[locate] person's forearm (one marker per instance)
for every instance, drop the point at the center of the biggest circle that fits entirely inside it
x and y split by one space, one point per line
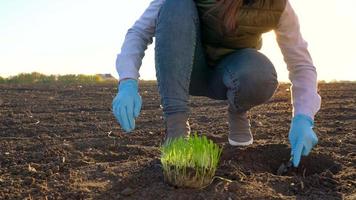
304 89
128 62
138 37
302 73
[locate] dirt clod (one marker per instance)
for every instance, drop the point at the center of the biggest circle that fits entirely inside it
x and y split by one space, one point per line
284 168
127 191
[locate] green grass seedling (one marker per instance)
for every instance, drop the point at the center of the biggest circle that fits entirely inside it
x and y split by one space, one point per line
190 162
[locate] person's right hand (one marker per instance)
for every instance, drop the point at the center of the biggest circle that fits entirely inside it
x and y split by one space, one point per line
127 104
302 137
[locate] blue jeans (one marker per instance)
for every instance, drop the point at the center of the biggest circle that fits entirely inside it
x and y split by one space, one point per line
245 78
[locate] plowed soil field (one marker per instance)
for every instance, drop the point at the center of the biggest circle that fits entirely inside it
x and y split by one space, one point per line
62 142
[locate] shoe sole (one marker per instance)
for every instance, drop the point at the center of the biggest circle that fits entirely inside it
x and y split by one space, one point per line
240 144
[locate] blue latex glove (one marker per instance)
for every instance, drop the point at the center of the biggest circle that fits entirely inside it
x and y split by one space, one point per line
302 137
127 104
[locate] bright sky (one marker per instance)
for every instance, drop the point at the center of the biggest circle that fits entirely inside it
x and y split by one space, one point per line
84 36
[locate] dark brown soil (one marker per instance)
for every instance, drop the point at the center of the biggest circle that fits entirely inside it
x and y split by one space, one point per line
62 142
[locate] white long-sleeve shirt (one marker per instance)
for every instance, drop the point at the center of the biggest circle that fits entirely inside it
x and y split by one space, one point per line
302 73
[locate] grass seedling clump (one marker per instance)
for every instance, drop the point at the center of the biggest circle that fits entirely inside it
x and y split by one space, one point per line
190 162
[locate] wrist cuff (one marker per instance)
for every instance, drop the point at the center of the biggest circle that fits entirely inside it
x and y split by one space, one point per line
304 118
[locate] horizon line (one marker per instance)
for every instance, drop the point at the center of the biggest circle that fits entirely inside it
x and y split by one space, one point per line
144 79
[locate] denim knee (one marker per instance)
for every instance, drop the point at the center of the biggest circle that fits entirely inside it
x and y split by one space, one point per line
252 82
250 91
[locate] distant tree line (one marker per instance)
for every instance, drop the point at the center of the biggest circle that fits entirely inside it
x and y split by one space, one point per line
35 77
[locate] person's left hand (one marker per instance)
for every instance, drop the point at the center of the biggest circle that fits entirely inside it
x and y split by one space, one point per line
302 137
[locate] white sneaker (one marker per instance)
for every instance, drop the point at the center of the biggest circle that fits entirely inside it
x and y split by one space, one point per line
239 129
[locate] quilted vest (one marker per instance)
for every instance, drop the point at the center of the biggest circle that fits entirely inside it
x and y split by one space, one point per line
255 18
